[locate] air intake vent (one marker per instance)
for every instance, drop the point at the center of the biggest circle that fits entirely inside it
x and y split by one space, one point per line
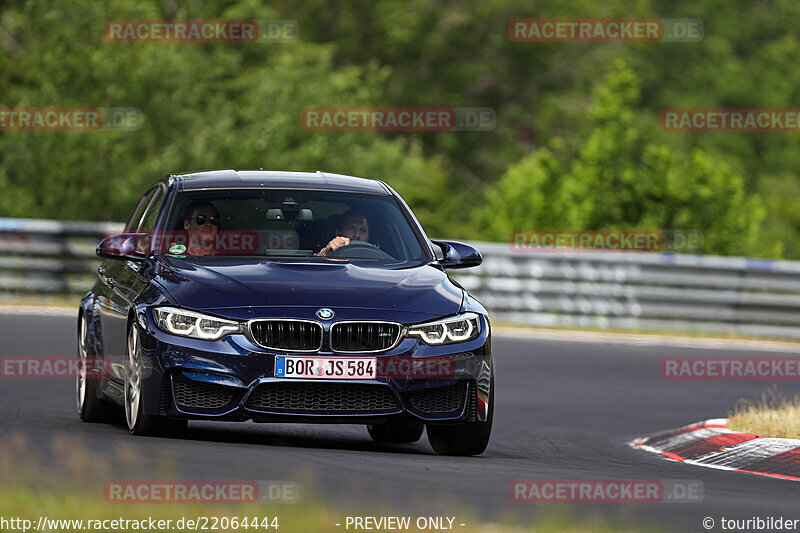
190 393
326 398
440 400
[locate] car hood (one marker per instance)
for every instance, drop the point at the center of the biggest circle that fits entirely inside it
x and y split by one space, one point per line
218 283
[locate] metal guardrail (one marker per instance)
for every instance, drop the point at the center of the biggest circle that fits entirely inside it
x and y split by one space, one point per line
619 290
638 291
48 256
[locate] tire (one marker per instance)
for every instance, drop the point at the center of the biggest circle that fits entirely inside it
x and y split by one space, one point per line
469 438
91 407
396 431
138 422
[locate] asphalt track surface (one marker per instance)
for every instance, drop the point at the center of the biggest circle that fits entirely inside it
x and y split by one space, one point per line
565 410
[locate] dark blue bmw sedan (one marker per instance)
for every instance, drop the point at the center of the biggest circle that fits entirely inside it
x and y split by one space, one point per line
285 297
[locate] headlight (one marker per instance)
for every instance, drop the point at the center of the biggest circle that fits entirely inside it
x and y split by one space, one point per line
447 331
193 324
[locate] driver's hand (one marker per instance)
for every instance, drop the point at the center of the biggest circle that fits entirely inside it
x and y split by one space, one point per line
336 242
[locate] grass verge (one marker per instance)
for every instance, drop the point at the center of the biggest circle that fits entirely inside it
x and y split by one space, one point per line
58 507
69 483
774 415
41 300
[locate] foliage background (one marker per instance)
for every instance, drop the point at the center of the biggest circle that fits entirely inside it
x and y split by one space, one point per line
577 143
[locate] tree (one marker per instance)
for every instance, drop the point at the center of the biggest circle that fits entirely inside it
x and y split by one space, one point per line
204 107
619 179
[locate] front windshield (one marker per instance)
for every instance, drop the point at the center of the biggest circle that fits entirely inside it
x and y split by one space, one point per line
279 224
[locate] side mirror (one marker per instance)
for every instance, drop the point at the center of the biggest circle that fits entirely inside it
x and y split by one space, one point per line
125 246
458 255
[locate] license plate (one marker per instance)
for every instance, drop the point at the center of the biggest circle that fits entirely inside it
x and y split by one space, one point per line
325 367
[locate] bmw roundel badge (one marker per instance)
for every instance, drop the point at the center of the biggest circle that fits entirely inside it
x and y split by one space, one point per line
325 313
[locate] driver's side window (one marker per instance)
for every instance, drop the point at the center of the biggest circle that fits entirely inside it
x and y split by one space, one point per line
148 222
138 213
154 207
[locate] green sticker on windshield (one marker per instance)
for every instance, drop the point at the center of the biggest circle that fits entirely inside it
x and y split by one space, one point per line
177 249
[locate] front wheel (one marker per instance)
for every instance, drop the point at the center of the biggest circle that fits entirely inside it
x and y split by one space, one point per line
469 438
396 431
138 422
91 407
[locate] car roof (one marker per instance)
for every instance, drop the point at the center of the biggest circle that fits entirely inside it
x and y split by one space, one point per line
278 179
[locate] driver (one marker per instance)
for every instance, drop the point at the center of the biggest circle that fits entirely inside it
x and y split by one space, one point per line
354 226
201 224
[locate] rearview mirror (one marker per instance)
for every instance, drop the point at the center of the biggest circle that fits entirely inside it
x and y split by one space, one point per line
127 246
458 255
290 214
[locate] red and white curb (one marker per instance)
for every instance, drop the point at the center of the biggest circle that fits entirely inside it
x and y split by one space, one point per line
713 445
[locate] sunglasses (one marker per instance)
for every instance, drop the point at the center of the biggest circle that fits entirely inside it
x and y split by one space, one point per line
201 219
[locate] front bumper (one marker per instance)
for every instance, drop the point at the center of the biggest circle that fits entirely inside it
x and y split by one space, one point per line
233 379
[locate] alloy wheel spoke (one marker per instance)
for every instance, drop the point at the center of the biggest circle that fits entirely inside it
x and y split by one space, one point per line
132 382
81 378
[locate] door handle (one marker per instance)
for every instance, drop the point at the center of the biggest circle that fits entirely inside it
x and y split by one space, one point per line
112 281
101 271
